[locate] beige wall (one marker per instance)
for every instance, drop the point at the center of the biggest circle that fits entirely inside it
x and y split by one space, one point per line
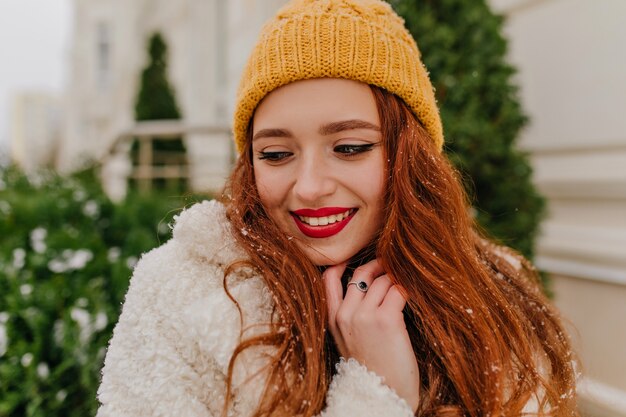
598 311
572 74
35 124
597 315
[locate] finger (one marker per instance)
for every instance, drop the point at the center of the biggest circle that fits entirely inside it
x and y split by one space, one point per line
394 300
370 269
366 273
334 291
377 291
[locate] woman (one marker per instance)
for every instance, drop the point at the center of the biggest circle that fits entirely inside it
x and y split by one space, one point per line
342 274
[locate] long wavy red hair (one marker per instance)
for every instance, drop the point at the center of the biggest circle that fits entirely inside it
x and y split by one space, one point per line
486 339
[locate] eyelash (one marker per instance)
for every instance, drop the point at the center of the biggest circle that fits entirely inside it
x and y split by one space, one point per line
344 150
274 156
352 150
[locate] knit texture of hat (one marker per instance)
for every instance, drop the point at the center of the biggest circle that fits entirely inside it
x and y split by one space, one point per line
361 40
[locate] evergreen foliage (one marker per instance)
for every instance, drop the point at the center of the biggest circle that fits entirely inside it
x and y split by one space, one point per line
66 255
464 51
156 101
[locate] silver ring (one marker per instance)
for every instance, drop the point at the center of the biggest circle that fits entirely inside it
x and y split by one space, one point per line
360 285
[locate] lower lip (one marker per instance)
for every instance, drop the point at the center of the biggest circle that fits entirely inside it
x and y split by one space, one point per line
322 231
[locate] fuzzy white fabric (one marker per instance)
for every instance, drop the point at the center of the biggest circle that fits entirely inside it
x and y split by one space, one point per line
178 329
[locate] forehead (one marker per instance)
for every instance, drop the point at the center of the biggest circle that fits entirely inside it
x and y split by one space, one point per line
315 101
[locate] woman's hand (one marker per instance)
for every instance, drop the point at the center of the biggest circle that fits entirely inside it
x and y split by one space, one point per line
369 327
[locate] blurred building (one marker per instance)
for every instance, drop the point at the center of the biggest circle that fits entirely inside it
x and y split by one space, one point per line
208 42
35 126
572 73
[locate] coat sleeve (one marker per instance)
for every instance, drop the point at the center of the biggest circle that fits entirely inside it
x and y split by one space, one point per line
356 391
145 373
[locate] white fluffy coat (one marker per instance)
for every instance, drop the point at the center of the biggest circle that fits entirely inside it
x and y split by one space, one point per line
178 329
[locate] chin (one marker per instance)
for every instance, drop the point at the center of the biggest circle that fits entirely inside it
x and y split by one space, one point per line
319 258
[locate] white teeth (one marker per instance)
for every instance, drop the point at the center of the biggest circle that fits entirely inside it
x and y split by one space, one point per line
326 220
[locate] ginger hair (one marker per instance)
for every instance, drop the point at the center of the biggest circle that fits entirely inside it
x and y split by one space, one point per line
486 339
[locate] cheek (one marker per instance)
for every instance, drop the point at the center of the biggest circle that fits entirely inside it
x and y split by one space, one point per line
269 188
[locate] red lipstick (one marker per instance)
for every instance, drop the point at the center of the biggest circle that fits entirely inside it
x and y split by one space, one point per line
321 212
322 231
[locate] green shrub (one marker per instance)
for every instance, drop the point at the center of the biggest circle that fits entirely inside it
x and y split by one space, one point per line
66 254
464 49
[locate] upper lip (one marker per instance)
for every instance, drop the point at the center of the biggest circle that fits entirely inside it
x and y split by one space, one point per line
320 212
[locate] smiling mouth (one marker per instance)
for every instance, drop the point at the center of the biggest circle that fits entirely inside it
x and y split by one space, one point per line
326 220
322 226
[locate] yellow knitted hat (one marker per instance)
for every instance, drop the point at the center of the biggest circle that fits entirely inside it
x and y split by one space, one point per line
362 40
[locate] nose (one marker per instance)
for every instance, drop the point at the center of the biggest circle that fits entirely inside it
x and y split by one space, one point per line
313 181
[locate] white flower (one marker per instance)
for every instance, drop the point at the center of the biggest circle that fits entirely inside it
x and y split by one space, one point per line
43 370
37 239
91 209
114 254
163 228
26 289
79 259
4 317
38 233
58 332
70 260
19 256
4 339
131 261
80 316
61 394
79 195
83 319
57 266
101 321
101 353
27 359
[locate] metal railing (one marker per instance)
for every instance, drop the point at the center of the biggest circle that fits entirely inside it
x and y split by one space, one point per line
150 165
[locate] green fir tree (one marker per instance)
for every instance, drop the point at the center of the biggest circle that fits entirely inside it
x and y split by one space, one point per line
463 48
156 101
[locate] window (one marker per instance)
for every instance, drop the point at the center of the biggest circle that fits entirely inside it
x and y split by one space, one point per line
103 57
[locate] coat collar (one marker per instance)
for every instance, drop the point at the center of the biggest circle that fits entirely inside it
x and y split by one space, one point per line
205 233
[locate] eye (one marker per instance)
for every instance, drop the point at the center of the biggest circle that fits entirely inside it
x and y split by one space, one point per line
349 150
274 156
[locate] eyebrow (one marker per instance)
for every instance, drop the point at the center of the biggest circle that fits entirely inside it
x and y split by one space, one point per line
327 129
272 133
337 127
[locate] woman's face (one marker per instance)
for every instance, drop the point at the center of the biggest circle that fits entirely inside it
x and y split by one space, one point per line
318 164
